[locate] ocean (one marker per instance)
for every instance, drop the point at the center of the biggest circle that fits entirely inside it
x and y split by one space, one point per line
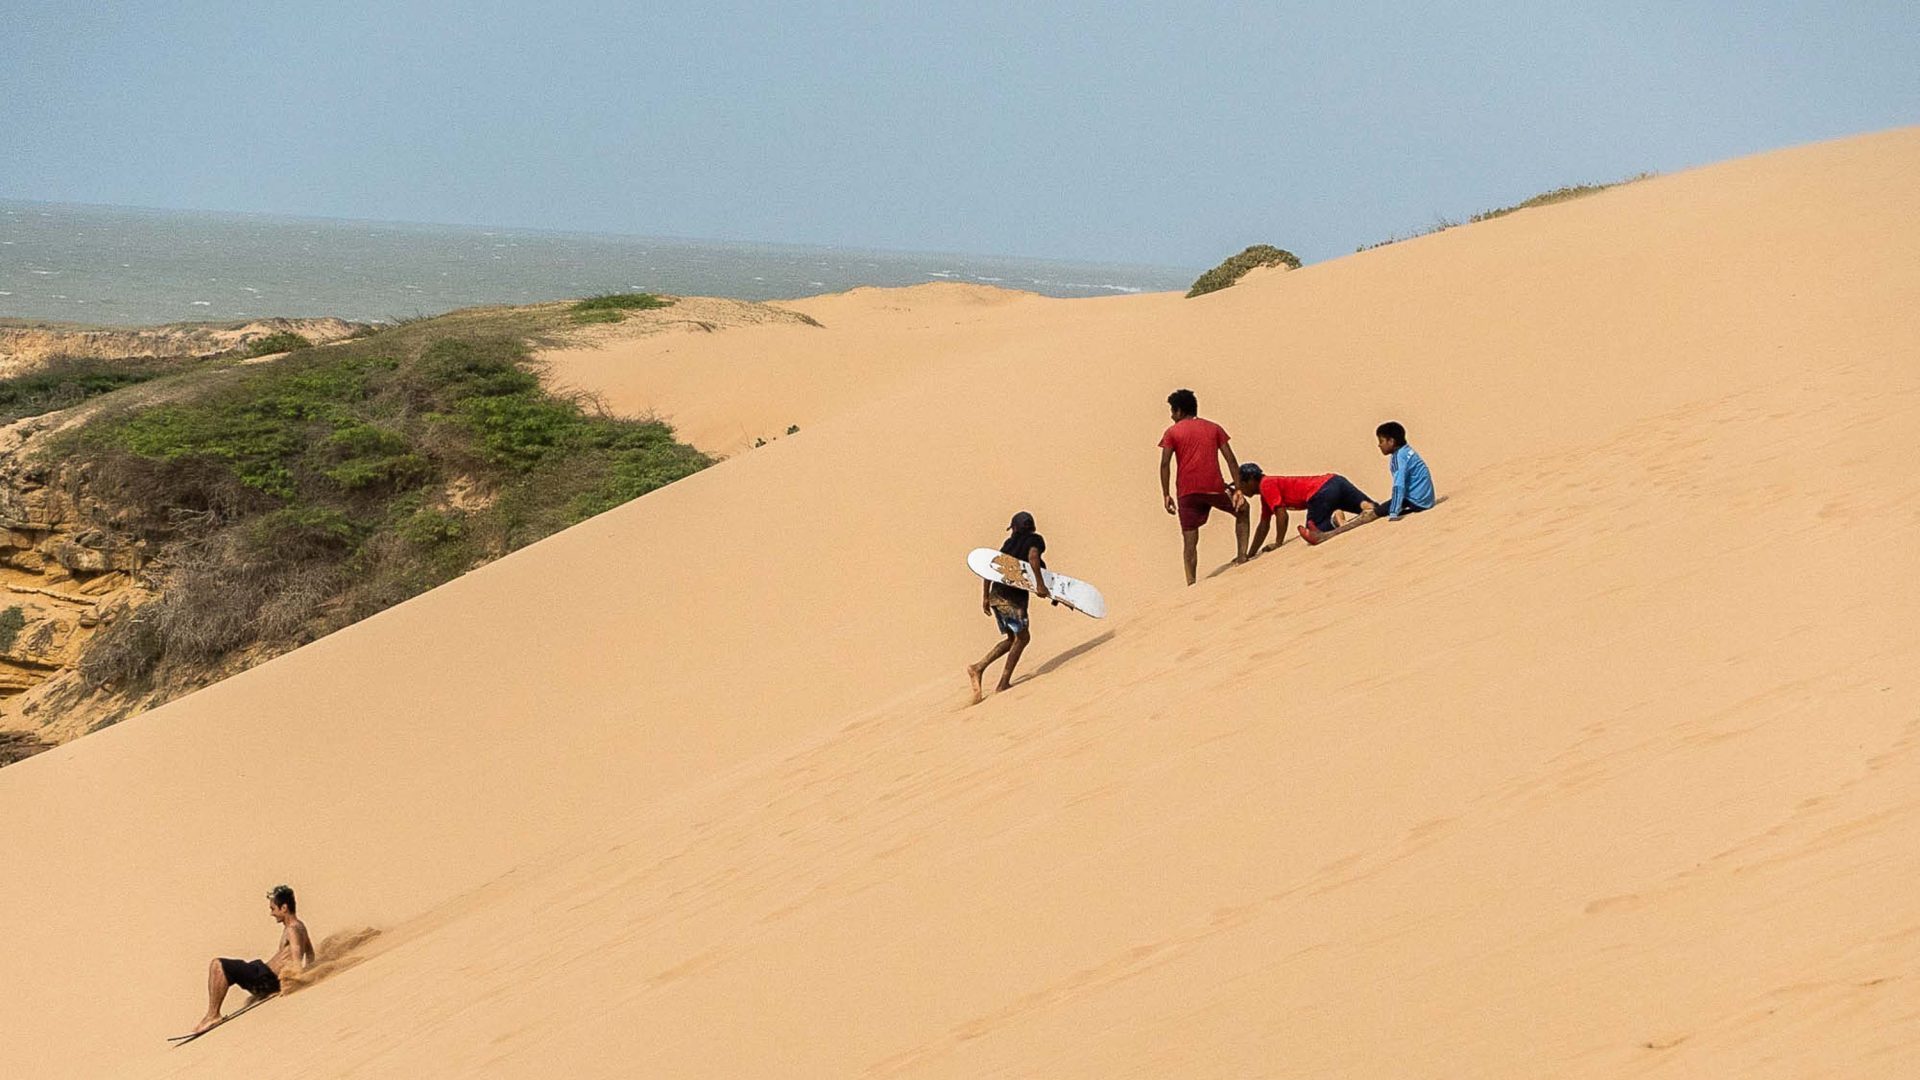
124 266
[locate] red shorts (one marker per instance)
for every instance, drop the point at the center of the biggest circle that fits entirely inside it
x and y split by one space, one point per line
1195 508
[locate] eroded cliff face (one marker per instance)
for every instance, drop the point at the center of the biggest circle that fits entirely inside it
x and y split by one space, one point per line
23 347
67 567
66 570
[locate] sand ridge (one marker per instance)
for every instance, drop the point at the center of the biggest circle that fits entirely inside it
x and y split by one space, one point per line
727 391
1605 767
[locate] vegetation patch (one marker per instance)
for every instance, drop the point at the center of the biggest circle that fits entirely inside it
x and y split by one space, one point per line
68 381
1237 267
1439 225
1559 194
286 500
285 341
1545 198
12 621
612 307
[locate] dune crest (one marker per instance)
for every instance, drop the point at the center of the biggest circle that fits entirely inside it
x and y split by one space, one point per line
1609 766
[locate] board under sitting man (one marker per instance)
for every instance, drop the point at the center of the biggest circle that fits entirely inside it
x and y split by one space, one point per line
1320 496
260 978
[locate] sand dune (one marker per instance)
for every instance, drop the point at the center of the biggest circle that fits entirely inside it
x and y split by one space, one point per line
1607 767
727 389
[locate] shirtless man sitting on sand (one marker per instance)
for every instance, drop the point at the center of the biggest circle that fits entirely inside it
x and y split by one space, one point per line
260 979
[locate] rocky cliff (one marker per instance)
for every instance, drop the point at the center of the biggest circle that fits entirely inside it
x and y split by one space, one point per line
65 571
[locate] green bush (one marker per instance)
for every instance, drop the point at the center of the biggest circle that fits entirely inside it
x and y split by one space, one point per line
455 369
301 532
1236 267
366 456
612 307
284 341
520 430
253 444
12 621
429 528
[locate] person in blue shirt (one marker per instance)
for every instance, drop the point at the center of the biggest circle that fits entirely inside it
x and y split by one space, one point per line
1412 483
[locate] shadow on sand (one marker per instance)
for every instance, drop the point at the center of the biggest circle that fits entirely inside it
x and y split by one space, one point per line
1078 650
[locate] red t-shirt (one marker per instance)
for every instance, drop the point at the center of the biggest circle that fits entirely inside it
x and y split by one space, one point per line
1196 447
1290 492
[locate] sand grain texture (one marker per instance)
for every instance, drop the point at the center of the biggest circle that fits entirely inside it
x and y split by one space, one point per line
1608 767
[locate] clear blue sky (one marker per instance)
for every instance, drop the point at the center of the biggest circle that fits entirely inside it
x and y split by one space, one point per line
1144 132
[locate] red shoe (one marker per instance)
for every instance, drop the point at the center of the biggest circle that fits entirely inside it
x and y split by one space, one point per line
1310 534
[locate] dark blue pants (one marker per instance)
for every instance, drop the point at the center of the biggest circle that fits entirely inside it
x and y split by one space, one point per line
1338 493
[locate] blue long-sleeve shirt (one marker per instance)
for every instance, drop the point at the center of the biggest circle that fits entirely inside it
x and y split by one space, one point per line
1412 483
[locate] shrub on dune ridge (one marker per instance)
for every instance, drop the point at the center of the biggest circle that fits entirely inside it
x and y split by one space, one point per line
1545 198
1559 194
612 307
1236 267
284 341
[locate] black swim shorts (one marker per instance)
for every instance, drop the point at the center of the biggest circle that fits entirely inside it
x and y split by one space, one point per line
253 976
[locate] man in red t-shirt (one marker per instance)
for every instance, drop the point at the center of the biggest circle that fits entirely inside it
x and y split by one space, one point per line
1198 445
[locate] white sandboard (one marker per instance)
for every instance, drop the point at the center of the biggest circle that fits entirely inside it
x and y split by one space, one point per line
1007 570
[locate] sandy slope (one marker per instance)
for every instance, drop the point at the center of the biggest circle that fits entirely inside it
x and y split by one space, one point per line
726 385
1606 768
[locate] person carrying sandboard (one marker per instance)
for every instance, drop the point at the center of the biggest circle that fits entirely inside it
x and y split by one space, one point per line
1008 605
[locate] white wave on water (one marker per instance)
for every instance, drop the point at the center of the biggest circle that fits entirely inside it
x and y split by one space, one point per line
1045 284
202 303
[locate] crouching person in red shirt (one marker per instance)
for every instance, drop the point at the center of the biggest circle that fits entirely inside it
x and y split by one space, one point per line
1318 495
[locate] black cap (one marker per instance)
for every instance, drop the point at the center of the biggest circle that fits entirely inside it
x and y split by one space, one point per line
1022 522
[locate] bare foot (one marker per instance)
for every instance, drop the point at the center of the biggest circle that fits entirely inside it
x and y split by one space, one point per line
973 676
206 1022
